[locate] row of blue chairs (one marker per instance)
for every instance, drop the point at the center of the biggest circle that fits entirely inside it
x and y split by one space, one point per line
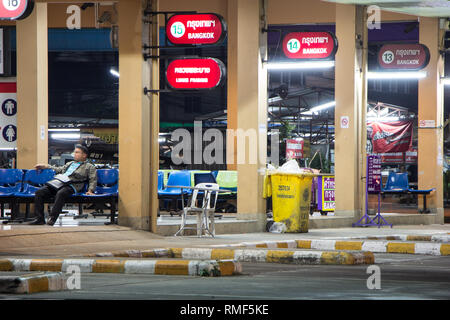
19 186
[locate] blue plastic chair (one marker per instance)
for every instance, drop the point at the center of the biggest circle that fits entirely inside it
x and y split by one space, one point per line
10 182
177 178
396 183
160 180
33 180
107 183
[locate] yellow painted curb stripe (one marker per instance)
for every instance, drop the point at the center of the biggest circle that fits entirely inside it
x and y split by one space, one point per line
108 266
348 245
172 267
261 245
394 247
222 254
331 257
280 256
176 252
418 238
227 268
303 244
39 284
46 265
282 245
445 249
6 265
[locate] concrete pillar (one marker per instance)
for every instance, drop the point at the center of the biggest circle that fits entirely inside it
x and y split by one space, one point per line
431 107
32 88
351 102
136 125
250 92
232 79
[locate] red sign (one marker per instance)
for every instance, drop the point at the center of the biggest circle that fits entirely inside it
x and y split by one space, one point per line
403 56
392 158
310 45
15 9
411 156
193 29
195 73
389 137
294 149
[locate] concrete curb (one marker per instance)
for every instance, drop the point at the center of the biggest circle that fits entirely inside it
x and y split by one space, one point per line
442 238
162 267
277 256
246 255
33 283
436 249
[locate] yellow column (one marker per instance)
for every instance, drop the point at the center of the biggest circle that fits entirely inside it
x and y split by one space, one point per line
351 100
232 78
135 120
431 107
32 88
251 97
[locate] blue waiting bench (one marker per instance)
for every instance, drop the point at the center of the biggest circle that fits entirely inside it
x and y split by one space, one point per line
397 183
19 186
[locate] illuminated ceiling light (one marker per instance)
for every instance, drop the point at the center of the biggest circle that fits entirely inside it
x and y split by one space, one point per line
65 136
320 107
383 119
114 73
397 75
300 65
64 130
445 81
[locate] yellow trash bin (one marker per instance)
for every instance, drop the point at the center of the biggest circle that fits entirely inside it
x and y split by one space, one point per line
291 197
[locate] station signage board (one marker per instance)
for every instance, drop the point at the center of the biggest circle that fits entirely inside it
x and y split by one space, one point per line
15 9
195 29
310 45
374 173
326 193
403 56
294 149
195 73
8 115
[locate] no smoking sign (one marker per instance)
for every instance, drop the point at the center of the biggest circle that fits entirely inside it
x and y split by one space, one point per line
345 121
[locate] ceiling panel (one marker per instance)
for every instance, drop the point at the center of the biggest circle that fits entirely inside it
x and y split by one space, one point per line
429 8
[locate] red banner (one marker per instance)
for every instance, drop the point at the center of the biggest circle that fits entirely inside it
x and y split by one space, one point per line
195 29
294 149
403 56
195 73
390 137
309 45
15 9
411 156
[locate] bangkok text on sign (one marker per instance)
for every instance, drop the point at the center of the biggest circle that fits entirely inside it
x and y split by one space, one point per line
15 9
403 56
310 45
195 73
195 29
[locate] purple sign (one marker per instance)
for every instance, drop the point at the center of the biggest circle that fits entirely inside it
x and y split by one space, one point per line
373 173
325 190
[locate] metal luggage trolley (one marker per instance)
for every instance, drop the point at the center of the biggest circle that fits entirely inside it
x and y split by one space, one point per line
205 213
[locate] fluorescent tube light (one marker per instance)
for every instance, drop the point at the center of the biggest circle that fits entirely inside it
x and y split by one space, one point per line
114 73
320 107
300 65
445 81
63 130
65 136
397 75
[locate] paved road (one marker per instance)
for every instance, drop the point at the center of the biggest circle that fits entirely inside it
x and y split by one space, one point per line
402 277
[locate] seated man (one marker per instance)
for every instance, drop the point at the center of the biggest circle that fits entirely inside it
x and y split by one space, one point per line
79 171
